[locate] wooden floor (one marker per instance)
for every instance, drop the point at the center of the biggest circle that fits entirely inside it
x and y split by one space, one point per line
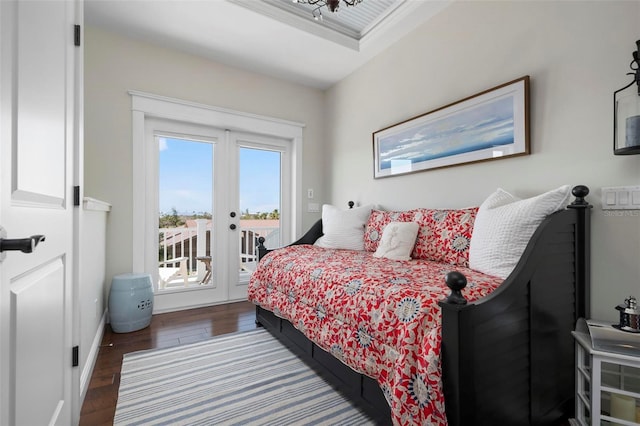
165 330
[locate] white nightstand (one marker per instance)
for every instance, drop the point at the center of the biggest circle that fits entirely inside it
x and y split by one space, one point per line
607 381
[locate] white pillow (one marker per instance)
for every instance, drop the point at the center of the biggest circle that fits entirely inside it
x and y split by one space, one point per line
398 239
504 225
343 229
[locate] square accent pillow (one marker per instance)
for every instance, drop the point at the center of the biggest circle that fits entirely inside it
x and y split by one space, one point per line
376 224
343 229
504 226
397 241
445 235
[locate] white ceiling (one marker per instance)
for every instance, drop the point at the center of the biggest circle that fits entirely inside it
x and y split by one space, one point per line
273 37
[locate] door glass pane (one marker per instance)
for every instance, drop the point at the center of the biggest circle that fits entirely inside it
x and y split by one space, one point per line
260 203
185 195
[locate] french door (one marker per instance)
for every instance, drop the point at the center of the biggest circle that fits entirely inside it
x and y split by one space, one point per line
261 186
216 192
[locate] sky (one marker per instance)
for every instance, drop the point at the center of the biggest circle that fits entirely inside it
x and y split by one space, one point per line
185 177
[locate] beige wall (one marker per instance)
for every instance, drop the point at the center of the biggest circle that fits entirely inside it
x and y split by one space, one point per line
114 65
577 54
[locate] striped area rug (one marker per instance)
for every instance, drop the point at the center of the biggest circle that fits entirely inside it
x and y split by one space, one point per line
245 378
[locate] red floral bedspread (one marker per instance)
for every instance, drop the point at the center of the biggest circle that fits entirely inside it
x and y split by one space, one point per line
378 316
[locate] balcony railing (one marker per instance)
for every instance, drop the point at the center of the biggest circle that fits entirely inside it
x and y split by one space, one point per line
184 254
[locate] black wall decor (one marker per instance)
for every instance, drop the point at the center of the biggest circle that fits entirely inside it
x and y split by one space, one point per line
626 112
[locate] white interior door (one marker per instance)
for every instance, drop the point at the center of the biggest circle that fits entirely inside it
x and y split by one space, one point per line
37 131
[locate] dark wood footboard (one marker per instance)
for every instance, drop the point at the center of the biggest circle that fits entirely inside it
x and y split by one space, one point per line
507 359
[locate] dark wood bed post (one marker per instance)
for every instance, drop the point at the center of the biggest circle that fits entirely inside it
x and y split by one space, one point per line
262 250
583 251
456 369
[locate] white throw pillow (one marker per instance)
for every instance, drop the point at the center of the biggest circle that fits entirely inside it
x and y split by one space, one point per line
504 225
343 229
398 239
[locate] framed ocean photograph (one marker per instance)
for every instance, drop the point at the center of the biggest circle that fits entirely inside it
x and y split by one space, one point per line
490 125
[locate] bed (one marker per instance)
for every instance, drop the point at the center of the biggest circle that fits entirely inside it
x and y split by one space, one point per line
503 352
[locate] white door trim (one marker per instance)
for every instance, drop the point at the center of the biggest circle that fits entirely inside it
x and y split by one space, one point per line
78 385
146 105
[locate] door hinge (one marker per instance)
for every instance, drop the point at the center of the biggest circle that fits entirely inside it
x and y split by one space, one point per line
76 196
76 35
75 356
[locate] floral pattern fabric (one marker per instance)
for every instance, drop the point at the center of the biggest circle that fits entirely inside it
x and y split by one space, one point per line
378 219
444 234
378 316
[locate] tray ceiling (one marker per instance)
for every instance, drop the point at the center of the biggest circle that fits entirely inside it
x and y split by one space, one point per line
279 38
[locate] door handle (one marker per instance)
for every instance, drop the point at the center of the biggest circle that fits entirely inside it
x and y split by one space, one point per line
25 245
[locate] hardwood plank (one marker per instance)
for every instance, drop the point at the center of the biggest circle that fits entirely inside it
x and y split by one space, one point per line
170 329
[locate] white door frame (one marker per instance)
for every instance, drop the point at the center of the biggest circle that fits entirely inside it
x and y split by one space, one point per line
81 378
145 106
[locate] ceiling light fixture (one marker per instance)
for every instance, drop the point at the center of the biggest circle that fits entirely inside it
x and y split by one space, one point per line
332 5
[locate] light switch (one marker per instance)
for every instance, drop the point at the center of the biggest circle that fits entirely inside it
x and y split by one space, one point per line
610 198
623 198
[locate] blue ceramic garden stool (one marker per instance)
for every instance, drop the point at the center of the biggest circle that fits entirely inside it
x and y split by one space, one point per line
130 302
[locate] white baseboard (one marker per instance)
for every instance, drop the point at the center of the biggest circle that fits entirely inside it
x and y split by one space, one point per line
87 369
